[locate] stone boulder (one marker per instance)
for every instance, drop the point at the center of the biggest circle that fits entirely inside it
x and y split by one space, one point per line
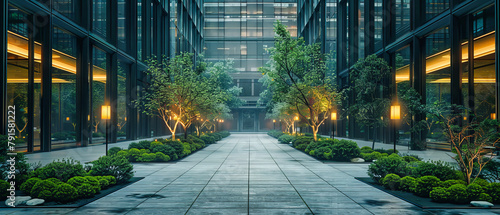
481 204
34 202
358 160
20 200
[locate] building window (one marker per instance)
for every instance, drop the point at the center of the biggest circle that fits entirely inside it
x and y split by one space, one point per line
403 83
100 17
435 7
123 24
378 22
122 105
98 86
69 8
402 11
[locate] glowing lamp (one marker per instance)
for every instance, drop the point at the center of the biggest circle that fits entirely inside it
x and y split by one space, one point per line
296 118
395 112
334 116
105 112
274 120
125 118
67 118
493 116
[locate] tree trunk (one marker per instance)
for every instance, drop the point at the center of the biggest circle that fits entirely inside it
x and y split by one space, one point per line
374 135
315 133
185 133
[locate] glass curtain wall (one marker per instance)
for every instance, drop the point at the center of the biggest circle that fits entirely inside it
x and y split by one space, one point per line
98 86
403 83
122 105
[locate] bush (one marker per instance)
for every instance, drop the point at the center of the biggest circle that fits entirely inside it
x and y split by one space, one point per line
94 183
114 150
154 143
4 185
61 169
177 145
440 194
286 138
410 159
493 190
425 184
481 182
103 183
275 133
458 194
85 191
46 195
147 157
371 156
111 179
474 191
301 147
28 185
54 180
197 140
387 165
166 150
320 153
327 142
207 139
440 169
408 183
64 193
302 140
161 157
345 150
448 183
485 197
491 171
40 186
117 166
366 149
140 145
77 181
391 181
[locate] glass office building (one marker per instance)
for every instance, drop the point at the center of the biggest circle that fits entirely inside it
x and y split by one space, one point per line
445 49
62 60
242 30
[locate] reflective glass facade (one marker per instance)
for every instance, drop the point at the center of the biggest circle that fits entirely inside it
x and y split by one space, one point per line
63 60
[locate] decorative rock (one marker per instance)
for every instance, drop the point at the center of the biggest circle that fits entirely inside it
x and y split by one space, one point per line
34 202
358 160
20 200
481 204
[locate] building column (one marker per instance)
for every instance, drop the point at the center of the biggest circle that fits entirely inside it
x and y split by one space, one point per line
497 55
4 8
46 86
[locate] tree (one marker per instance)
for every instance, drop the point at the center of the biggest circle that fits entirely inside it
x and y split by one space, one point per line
471 141
175 91
300 79
283 112
367 89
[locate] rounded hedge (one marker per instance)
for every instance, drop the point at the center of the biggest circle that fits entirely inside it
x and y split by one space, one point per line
425 184
345 150
94 182
440 194
41 186
391 181
408 183
85 191
28 185
493 190
286 138
77 181
474 191
116 166
458 194
65 193
4 185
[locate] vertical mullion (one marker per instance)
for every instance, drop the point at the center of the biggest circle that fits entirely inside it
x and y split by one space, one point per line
31 64
497 56
46 91
470 38
4 8
456 61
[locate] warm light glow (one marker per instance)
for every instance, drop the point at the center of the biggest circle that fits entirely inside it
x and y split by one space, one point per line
105 112
67 118
395 112
334 116
274 120
465 118
493 116
296 118
125 118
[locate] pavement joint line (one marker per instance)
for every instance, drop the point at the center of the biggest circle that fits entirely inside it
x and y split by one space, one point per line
277 145
298 193
190 206
176 177
248 186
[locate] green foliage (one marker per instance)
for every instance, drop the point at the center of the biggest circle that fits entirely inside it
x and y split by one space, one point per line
300 140
103 183
64 193
425 184
144 144
114 150
372 156
448 183
386 165
54 180
147 157
481 182
77 181
440 194
391 181
207 139
40 186
474 191
410 159
165 149
458 194
94 183
344 150
159 156
111 179
408 183
47 195
493 190
485 197
491 171
275 133
440 169
286 138
61 169
4 185
116 166
366 149
28 185
327 142
322 153
85 191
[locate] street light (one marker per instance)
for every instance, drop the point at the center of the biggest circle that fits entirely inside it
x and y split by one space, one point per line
274 124
294 126
333 118
395 115
106 115
493 116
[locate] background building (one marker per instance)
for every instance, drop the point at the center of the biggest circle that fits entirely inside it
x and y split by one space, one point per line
445 49
242 30
63 59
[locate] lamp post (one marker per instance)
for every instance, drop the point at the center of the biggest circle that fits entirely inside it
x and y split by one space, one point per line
395 115
294 126
274 124
106 115
334 119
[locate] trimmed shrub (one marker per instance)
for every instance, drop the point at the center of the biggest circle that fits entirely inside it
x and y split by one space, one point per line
154 143
301 147
481 182
286 139
166 150
147 157
275 133
440 169
485 197
410 159
387 165
161 157
103 183
371 156
85 191
326 142
207 139
440 194
61 169
458 194
41 186
46 195
302 140
425 184
320 153
123 153
196 140
493 190
119 167
177 145
28 185
408 183
448 183
345 150
54 180
391 181
474 191
114 150
133 154
65 193
140 145
4 185
94 183
366 149
77 181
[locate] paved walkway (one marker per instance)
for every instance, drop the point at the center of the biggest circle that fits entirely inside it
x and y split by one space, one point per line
248 174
